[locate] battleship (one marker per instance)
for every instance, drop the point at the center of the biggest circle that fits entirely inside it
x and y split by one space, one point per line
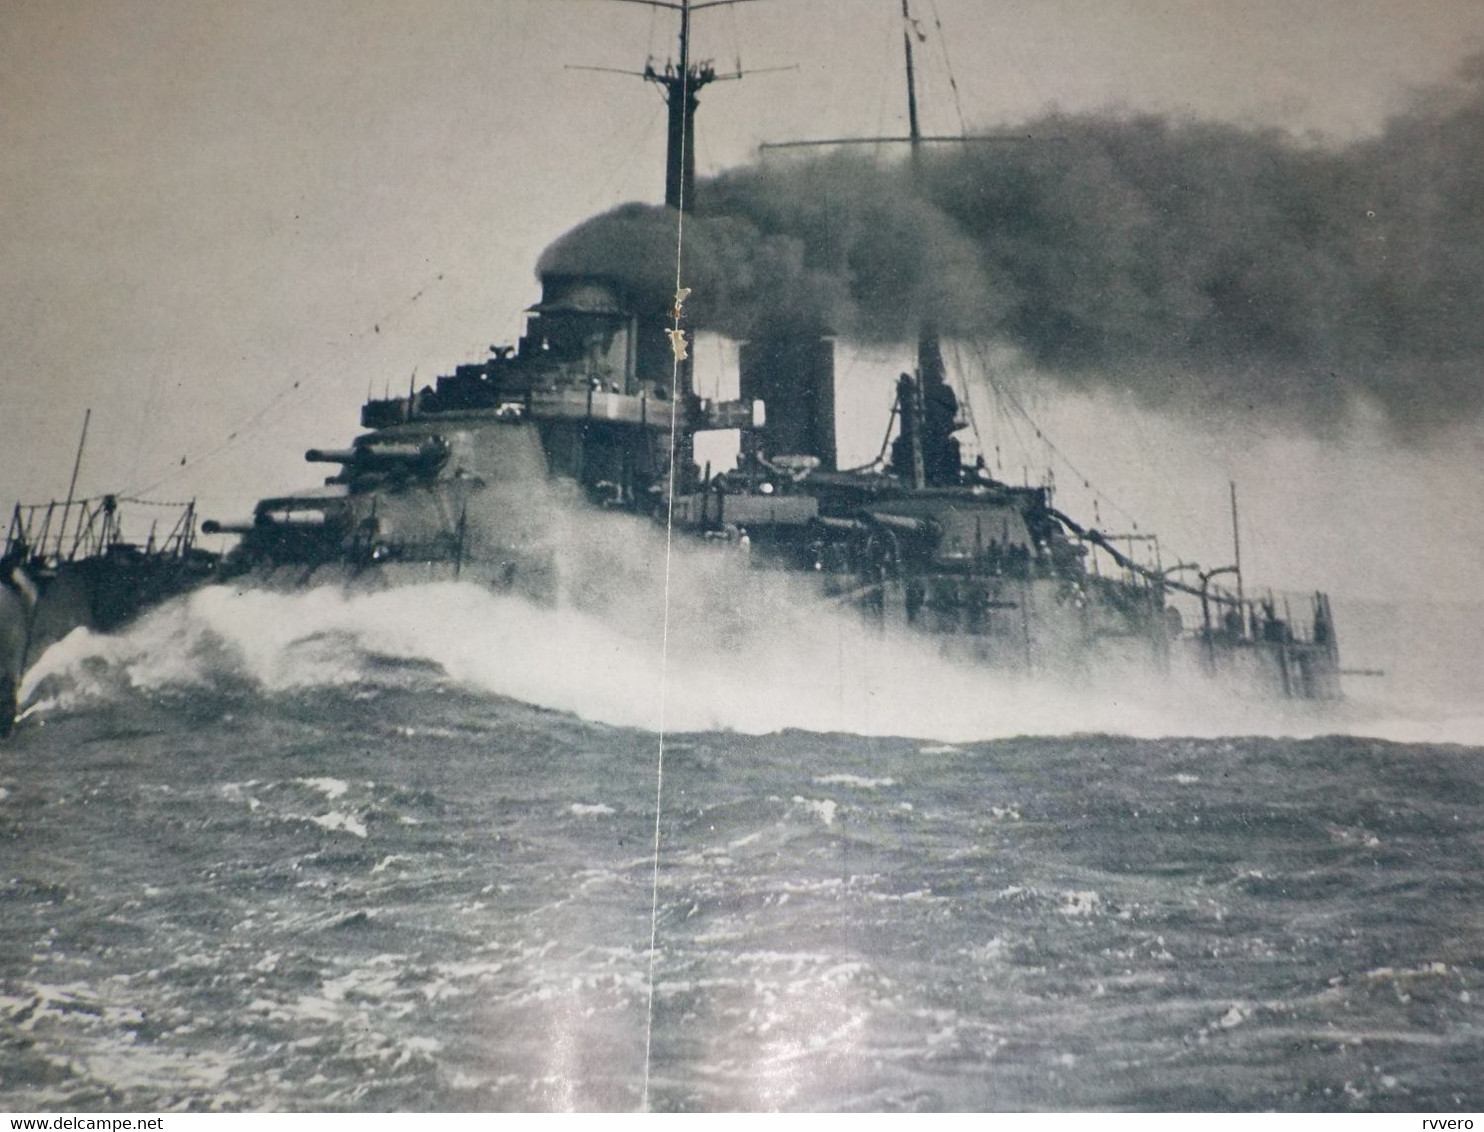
595 409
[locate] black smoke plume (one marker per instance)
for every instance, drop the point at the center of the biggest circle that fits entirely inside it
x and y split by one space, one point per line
1203 267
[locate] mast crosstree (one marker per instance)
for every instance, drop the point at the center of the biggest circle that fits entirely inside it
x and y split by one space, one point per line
682 82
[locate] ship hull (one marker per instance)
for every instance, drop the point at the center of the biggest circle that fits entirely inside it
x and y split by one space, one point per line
104 592
14 618
1298 670
1042 625
1019 624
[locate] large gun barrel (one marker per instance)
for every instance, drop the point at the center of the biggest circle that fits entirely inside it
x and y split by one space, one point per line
403 452
843 525
290 517
383 453
331 455
907 524
212 527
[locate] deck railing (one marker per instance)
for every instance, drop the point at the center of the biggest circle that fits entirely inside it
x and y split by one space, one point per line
47 534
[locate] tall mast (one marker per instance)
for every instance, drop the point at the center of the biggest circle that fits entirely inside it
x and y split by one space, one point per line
682 84
925 450
1237 553
914 132
910 394
72 486
934 398
77 463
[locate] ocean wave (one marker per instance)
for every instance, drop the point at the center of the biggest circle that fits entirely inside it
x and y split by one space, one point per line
737 655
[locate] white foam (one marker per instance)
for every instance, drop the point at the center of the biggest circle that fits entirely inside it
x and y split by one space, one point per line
1080 903
1234 1017
853 780
331 788
748 651
146 1067
1422 971
823 809
337 822
584 810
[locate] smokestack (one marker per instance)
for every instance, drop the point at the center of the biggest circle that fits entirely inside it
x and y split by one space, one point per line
792 371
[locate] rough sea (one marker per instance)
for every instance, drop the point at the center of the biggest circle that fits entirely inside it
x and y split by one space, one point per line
395 851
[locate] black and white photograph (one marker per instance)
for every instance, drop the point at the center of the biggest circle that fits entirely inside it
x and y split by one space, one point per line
694 556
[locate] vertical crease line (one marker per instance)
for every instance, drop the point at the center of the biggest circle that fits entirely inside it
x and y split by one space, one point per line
659 784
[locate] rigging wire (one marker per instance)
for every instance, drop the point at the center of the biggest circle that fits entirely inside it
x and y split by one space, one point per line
102 496
1009 396
736 40
883 70
146 414
1003 395
298 389
1009 419
286 397
966 401
302 388
632 149
948 66
174 504
880 458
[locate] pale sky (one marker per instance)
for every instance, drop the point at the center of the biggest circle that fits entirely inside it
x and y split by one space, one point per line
222 222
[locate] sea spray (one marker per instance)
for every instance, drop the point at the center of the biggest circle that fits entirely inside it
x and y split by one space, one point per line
753 668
